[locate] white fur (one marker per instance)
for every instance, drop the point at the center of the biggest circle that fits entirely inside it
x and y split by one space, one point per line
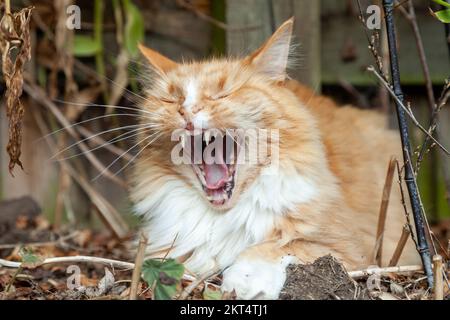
199 119
217 238
191 95
256 279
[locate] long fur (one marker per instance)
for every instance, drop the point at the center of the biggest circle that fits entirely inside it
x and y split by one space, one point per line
322 199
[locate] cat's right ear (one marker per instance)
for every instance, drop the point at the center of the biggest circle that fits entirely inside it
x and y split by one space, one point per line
157 60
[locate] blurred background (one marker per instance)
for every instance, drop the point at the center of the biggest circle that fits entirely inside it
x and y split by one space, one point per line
71 72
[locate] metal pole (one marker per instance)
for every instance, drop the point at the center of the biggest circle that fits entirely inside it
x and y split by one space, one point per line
422 242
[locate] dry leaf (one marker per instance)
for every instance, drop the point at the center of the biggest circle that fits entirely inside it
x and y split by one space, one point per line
15 45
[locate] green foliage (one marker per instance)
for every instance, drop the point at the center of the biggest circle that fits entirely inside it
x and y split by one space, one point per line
442 3
209 294
164 276
134 28
443 15
29 258
85 46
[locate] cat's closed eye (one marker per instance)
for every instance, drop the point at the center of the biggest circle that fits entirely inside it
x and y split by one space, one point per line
168 100
218 96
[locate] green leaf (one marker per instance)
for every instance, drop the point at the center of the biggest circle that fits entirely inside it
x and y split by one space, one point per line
209 294
134 28
443 15
164 275
29 259
163 292
85 46
442 3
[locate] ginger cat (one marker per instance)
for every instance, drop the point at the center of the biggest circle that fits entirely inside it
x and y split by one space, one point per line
248 220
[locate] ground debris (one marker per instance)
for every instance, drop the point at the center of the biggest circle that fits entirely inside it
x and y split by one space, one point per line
325 279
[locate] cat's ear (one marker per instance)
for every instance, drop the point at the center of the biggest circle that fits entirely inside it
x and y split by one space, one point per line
157 60
272 58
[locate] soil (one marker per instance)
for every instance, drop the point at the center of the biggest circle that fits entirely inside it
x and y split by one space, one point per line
325 279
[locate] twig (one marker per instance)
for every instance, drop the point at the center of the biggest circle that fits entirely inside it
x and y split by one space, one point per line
74 259
138 267
7 7
384 271
400 246
438 278
423 247
79 259
123 59
378 251
448 249
405 207
188 290
404 109
40 244
411 17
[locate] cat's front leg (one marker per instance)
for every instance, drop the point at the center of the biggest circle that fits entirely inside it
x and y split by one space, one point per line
257 276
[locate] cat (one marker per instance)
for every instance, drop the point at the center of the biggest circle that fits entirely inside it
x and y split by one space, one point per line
322 197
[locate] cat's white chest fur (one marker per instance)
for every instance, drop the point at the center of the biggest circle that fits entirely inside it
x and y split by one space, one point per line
215 239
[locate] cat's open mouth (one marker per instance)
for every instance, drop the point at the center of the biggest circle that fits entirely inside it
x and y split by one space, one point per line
216 169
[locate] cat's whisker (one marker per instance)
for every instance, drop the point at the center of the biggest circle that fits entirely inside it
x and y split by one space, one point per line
119 138
147 114
127 151
101 133
106 106
137 155
90 120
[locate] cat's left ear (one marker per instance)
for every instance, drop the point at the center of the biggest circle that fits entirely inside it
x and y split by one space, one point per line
272 58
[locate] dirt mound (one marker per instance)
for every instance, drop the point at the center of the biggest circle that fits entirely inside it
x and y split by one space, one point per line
325 279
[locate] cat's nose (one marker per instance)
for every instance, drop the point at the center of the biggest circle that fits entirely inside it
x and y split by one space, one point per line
185 114
193 120
190 126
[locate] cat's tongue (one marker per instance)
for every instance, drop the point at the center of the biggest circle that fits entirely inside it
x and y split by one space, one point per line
216 175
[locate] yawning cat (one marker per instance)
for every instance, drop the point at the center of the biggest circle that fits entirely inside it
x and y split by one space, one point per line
252 220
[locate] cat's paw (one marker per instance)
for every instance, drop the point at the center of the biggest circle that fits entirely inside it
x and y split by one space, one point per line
256 279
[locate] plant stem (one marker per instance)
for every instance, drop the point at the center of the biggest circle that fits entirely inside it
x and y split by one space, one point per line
98 36
422 243
438 278
7 6
447 33
136 277
13 279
